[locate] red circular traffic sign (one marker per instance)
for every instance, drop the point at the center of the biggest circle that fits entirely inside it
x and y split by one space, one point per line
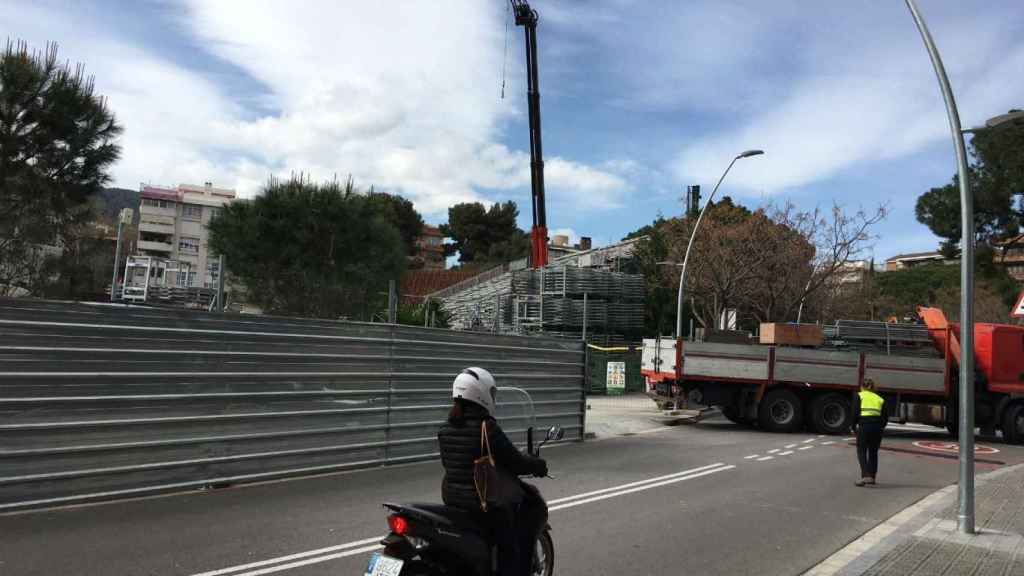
952 447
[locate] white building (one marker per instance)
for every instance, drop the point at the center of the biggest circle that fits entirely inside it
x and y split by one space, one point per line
173 226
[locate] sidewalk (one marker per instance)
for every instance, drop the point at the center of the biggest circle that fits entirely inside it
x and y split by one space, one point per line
618 415
923 540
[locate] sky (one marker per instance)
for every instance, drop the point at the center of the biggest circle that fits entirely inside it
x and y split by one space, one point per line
639 98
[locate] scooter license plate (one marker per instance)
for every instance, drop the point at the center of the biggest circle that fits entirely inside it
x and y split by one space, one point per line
381 565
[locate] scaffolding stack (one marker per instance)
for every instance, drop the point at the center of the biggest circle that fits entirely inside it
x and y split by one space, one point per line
562 301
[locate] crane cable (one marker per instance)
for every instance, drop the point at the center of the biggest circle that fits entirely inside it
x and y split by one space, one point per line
504 60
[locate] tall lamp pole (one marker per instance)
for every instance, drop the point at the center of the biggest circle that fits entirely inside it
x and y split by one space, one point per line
965 513
689 245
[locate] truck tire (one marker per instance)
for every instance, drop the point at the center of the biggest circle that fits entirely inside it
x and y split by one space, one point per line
780 411
732 414
1013 424
831 413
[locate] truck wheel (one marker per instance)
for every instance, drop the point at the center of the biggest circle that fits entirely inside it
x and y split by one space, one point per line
831 414
780 411
1013 424
732 414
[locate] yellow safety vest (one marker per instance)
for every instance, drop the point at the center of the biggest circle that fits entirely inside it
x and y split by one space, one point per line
870 403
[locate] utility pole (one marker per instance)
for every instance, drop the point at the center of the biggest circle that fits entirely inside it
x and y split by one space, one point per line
124 217
221 300
392 302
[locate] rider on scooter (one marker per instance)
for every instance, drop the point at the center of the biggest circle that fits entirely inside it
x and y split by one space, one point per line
474 396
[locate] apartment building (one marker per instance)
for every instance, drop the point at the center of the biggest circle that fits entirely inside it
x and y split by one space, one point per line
430 248
173 227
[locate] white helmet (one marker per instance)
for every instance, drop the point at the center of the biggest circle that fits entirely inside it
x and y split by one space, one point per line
476 385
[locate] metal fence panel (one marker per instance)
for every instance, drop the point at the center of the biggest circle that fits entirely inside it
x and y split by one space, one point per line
101 402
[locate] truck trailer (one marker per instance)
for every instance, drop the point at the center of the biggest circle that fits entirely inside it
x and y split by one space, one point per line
786 388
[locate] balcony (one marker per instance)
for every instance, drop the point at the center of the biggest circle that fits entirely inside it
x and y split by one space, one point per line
157 227
151 246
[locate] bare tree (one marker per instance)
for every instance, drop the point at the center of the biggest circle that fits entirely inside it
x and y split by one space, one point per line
767 262
811 252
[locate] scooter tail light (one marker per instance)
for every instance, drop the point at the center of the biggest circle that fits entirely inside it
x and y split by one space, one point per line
398 525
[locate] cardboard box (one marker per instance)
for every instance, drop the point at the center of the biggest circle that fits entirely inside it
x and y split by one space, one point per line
791 334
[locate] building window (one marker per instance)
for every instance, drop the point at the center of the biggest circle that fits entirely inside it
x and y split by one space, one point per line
188 245
155 203
192 211
434 241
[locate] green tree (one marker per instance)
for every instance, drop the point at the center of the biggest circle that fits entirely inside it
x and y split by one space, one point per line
402 213
899 293
484 236
311 250
57 141
997 184
660 299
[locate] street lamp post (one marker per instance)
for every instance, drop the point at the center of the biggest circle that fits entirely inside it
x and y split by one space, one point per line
689 245
965 513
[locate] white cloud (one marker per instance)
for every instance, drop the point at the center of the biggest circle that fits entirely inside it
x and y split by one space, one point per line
855 103
400 95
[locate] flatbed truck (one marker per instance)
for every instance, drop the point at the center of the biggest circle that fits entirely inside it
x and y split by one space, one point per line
785 389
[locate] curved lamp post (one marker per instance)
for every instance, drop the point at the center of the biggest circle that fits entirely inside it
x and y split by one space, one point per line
689 246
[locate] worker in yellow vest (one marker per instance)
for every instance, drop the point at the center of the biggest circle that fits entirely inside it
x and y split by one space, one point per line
868 411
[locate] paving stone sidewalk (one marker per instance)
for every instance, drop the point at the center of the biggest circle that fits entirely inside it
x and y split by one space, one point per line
923 540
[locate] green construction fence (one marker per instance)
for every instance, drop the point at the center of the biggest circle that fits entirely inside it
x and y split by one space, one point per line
625 373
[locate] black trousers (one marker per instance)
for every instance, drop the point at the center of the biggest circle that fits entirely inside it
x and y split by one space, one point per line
869 439
516 532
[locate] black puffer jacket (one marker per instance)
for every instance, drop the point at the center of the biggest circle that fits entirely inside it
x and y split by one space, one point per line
460 446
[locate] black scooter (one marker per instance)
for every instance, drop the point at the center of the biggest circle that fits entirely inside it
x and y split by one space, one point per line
433 539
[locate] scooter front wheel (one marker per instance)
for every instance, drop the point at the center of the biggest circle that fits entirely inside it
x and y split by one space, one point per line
544 555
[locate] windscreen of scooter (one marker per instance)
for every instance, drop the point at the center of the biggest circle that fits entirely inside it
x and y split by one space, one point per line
516 414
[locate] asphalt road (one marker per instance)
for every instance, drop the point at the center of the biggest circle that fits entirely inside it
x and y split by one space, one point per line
706 499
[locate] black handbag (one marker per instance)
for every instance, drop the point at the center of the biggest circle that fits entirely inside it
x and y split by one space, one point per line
495 487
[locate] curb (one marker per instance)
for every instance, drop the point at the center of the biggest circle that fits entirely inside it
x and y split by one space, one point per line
858 556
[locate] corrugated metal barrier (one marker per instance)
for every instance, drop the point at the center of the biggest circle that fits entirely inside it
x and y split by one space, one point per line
100 402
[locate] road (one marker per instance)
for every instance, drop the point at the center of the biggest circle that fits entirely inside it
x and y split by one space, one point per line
706 499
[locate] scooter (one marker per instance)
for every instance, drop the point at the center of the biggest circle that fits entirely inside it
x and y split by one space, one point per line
433 539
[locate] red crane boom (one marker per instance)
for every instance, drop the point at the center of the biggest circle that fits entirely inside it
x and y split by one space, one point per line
527 18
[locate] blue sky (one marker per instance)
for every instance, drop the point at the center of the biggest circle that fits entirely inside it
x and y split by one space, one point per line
639 98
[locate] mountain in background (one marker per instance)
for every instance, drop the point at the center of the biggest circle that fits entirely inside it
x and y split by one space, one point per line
109 202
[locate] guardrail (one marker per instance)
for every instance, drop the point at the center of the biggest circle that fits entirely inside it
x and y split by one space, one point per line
101 401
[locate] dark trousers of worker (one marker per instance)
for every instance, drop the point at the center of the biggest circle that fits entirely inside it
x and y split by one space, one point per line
516 530
869 439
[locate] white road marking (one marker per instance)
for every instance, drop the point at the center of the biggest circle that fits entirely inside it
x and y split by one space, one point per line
633 484
751 457
765 458
829 443
272 565
788 446
291 565
786 453
773 451
639 488
805 447
306 554
809 440
821 435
